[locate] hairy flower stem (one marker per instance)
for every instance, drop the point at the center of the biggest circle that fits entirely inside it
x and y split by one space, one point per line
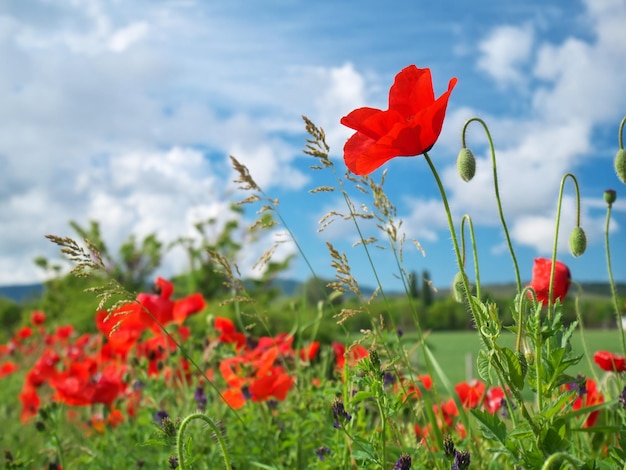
556 236
467 218
618 315
216 431
497 191
582 333
520 311
455 243
554 458
457 252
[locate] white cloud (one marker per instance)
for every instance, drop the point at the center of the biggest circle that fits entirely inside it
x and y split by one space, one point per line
505 51
123 38
584 79
581 89
344 89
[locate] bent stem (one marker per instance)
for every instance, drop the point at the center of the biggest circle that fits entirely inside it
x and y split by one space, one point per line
611 280
556 236
554 458
497 191
476 317
216 432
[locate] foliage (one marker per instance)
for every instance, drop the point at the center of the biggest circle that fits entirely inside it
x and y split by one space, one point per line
183 383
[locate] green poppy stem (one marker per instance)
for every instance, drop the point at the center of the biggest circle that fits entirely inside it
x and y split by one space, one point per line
216 432
497 191
618 315
556 235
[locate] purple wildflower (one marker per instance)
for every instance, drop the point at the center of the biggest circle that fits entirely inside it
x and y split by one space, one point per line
201 399
322 452
339 413
403 463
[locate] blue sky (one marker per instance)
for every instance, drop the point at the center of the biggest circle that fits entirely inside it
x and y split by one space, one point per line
126 113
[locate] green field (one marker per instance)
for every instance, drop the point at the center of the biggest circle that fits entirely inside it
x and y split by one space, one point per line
455 350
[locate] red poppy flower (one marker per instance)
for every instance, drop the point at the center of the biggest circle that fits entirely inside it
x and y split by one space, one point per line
591 397
308 353
228 332
494 399
234 397
125 326
79 385
410 126
23 333
275 384
7 368
165 310
30 403
471 394
448 411
37 318
541 280
354 354
413 389
610 362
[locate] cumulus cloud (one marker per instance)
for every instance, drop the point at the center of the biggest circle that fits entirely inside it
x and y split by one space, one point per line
123 38
581 90
128 117
505 51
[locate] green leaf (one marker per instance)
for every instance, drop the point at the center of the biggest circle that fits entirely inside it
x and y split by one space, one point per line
360 396
516 374
491 425
482 364
554 440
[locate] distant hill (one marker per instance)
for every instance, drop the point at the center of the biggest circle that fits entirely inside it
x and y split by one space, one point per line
20 293
290 287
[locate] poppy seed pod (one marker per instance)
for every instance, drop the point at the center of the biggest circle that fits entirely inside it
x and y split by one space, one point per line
466 164
458 289
610 196
620 165
577 241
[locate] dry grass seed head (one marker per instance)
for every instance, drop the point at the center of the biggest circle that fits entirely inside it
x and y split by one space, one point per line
346 314
245 179
316 146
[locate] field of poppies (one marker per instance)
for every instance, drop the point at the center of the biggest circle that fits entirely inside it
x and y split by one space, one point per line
170 381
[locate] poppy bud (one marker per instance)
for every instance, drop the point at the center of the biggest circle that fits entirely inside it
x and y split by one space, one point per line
577 241
466 164
458 289
610 196
620 164
375 359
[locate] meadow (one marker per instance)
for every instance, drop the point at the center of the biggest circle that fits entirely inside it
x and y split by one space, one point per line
212 370
457 350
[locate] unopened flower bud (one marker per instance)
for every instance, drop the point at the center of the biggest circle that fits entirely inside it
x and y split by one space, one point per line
375 359
458 288
466 164
577 241
610 196
620 164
